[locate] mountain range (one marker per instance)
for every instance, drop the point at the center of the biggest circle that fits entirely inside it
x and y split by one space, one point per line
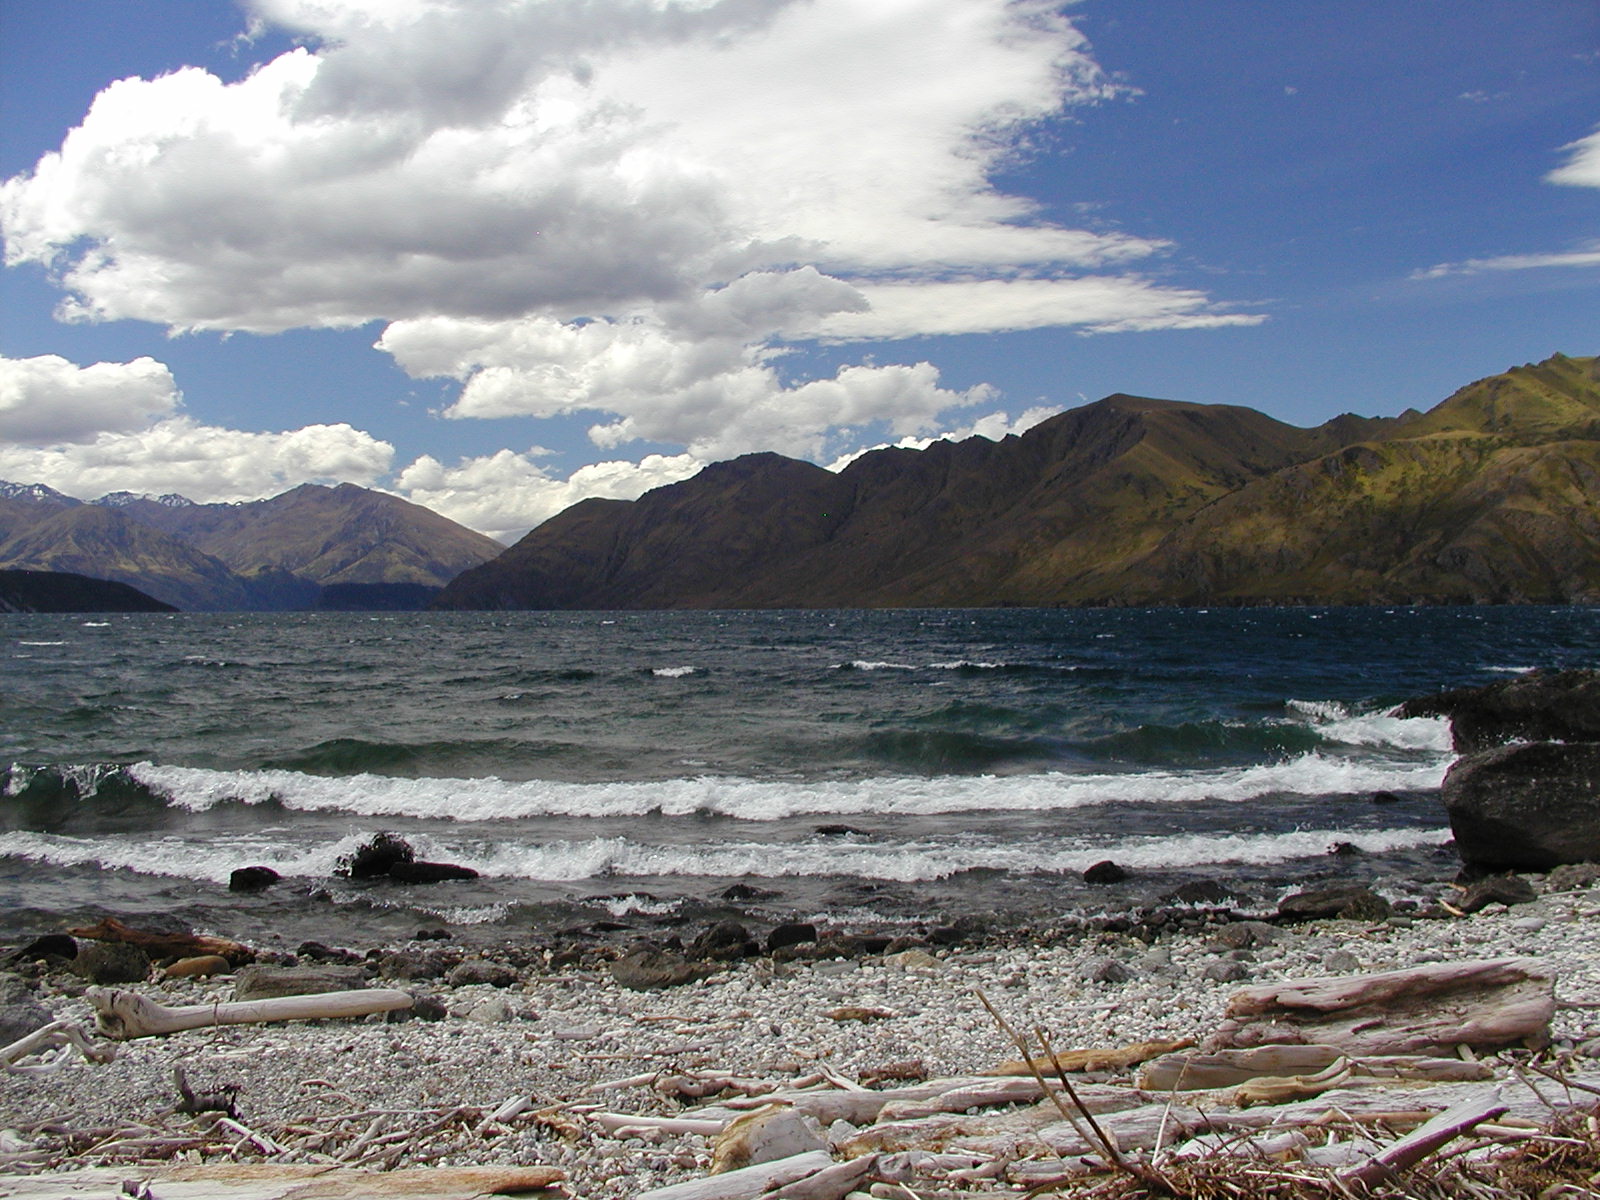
314 546
1492 496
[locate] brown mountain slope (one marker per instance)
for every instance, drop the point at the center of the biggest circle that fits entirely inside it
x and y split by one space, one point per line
104 543
344 534
1489 497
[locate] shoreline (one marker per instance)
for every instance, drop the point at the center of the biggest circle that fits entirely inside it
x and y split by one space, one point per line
566 1035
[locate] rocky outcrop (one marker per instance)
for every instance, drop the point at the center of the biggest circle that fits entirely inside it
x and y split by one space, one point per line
1554 706
1526 807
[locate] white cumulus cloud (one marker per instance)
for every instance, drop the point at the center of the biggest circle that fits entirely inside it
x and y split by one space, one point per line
203 462
506 494
47 399
624 207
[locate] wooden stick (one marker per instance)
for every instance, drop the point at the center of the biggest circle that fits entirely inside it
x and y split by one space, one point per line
1425 1139
126 1015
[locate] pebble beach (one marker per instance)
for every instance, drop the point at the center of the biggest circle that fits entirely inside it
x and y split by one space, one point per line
570 1040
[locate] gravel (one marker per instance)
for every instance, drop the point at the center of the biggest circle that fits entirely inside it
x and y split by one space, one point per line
558 1036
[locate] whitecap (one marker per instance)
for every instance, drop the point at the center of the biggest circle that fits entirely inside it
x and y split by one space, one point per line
672 672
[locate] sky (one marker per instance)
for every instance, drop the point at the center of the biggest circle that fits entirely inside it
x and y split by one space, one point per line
497 256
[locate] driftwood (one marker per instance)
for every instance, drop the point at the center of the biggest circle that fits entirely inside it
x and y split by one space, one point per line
747 1183
1230 1068
57 1033
166 945
125 1015
272 1181
1421 1010
1412 1149
1118 1059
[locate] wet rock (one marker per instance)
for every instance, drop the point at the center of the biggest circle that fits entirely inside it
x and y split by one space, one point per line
724 942
111 962
481 971
1344 850
1497 889
1105 872
1541 706
417 871
375 858
841 831
745 891
649 969
1527 807
1350 902
252 879
261 982
791 933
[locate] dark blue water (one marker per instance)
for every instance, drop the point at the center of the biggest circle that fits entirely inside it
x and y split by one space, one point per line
868 766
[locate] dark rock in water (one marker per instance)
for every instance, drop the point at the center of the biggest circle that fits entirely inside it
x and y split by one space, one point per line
415 871
1387 798
1351 902
648 969
1497 889
792 933
252 879
1526 807
1541 706
20 1013
1344 850
431 935
724 942
1105 872
317 952
111 962
1203 891
51 945
481 971
416 964
375 858
841 831
744 891
260 982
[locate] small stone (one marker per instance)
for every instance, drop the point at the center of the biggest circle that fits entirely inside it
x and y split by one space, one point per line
1497 889
648 969
492 1011
1241 935
1105 970
1341 962
1350 902
1529 924
481 971
198 967
914 959
262 982
1226 970
724 942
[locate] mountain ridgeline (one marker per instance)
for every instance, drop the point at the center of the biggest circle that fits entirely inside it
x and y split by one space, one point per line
339 547
1493 496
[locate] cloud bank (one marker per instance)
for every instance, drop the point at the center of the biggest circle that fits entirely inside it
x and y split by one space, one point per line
624 208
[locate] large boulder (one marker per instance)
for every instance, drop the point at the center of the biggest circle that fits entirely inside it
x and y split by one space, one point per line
1540 706
1526 807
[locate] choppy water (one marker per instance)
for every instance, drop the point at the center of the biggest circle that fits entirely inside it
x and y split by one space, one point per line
873 766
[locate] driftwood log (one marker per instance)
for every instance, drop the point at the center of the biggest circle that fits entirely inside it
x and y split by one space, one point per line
1430 1009
124 1015
166 945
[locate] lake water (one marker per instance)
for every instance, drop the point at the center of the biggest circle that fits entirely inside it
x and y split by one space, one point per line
874 768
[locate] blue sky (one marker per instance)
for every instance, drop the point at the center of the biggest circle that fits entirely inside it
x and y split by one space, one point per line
497 257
